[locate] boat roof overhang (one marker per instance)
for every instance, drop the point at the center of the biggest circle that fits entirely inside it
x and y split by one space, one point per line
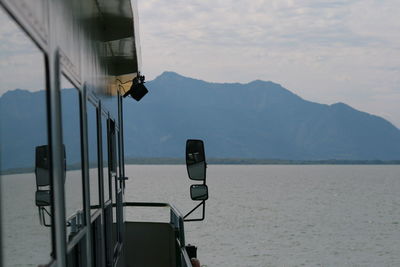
119 32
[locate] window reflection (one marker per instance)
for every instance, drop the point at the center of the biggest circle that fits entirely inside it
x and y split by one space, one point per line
118 158
105 158
114 209
93 156
70 108
23 127
111 105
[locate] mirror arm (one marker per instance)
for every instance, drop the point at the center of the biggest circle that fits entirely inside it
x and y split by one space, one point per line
190 212
42 216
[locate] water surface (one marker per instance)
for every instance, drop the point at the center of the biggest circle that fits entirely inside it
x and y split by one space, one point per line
266 215
256 215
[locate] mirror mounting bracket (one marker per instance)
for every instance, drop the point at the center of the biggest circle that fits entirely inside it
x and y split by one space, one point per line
203 216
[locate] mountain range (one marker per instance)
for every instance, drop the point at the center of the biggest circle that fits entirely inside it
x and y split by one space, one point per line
256 120
253 120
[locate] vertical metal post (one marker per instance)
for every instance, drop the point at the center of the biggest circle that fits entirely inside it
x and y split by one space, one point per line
57 156
86 184
121 134
1 229
101 182
55 138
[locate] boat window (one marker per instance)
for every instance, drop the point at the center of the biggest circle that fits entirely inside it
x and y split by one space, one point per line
114 173
117 158
120 143
112 147
116 190
70 108
23 128
114 201
106 175
112 138
110 103
93 156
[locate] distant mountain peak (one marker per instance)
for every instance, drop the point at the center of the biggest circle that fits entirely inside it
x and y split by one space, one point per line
261 82
342 106
15 92
171 75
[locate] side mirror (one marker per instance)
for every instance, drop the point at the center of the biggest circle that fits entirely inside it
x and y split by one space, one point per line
43 198
42 166
199 192
195 160
196 167
43 185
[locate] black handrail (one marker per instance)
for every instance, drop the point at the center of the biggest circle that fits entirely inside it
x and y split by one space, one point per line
146 204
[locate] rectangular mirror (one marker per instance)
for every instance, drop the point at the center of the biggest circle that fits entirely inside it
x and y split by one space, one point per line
43 198
42 166
199 192
195 160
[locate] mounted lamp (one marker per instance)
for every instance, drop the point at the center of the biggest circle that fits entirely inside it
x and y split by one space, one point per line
137 90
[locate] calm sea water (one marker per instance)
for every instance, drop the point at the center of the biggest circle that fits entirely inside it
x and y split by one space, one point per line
267 215
259 215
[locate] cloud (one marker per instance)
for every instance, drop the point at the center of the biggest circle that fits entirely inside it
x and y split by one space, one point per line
21 62
255 23
326 51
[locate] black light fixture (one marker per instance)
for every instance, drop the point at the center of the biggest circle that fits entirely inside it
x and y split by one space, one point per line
137 90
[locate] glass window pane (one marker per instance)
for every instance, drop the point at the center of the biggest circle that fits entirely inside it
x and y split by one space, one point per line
93 156
105 158
70 107
114 210
118 158
110 103
23 128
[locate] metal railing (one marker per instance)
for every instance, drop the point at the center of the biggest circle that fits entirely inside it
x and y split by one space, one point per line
177 222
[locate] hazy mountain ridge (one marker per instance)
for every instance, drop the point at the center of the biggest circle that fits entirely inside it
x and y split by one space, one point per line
253 120
256 120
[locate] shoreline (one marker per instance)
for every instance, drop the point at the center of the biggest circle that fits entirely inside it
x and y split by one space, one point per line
228 161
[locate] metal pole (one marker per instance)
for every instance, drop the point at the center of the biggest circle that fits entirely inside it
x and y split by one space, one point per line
57 156
85 167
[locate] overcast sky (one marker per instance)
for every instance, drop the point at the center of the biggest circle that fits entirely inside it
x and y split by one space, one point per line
325 51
